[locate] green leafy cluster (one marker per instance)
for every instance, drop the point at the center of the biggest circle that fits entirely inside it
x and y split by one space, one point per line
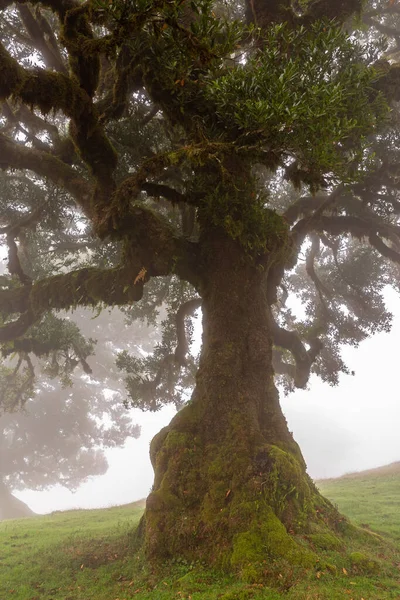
307 93
70 346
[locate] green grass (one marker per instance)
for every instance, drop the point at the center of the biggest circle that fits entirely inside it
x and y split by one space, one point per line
370 498
89 555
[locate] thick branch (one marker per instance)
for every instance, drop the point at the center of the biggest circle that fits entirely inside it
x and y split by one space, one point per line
14 264
158 247
389 83
383 249
303 207
185 310
51 58
265 12
310 222
290 340
16 156
338 10
310 268
15 329
55 91
158 189
26 221
156 251
29 346
357 226
14 301
128 78
36 123
13 121
381 27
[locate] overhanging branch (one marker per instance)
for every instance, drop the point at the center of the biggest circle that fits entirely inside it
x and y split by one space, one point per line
16 156
159 189
304 359
15 329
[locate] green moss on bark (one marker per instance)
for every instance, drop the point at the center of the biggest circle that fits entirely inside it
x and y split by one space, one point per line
231 487
224 502
85 287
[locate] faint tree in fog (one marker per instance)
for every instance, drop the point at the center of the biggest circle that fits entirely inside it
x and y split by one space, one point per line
61 433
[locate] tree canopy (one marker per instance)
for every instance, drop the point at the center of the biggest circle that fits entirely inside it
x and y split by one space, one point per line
158 95
160 153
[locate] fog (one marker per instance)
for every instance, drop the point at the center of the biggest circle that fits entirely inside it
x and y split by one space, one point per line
340 429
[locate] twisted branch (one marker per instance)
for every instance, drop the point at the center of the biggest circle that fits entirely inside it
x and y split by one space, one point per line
185 310
304 359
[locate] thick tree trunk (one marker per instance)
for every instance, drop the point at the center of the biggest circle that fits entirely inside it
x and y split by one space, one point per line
230 482
11 507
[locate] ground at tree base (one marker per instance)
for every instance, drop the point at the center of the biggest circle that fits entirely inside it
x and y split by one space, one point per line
82 555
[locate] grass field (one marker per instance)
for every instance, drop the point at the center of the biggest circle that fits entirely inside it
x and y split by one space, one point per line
89 555
370 498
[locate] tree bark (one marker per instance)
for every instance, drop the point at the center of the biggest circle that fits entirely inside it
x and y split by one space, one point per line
11 507
230 482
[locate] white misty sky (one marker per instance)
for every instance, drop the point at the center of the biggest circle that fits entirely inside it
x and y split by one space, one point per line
347 428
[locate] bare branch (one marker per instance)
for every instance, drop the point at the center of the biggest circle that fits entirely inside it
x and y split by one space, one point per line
14 264
25 222
383 249
158 189
303 207
310 268
290 340
51 58
185 310
305 225
15 329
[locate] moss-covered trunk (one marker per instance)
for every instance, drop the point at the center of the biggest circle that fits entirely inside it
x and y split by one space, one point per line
230 482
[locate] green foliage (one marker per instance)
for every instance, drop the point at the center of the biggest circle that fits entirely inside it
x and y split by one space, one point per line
68 346
308 93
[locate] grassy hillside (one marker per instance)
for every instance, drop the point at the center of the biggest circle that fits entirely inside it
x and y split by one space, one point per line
370 498
89 555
